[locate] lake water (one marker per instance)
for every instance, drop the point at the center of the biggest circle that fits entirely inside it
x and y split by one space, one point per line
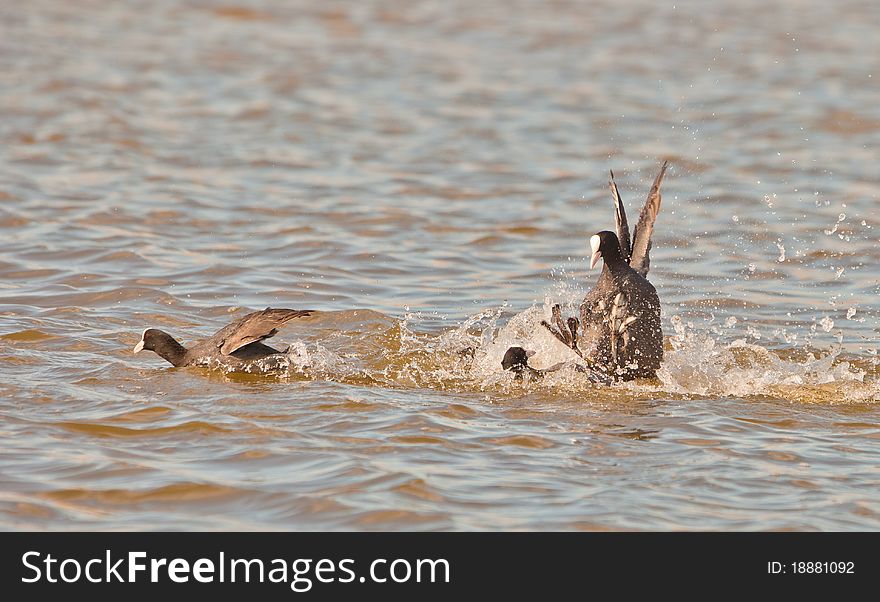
427 175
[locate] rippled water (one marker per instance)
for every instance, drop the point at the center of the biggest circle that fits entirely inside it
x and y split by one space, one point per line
427 175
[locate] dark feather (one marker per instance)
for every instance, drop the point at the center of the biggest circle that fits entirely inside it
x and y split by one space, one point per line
254 327
639 260
620 220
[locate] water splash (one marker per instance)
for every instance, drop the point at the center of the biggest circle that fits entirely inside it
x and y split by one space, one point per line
781 248
708 359
698 362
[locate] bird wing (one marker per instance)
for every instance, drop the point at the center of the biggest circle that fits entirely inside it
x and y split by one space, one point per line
254 327
641 246
620 220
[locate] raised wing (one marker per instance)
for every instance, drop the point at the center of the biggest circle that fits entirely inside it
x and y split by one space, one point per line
641 244
620 220
255 327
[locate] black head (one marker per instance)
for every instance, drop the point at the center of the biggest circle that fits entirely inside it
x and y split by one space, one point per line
162 344
604 244
516 359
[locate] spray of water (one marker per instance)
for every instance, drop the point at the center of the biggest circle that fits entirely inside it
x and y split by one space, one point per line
708 359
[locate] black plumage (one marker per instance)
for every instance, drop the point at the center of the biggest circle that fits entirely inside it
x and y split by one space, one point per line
516 359
620 330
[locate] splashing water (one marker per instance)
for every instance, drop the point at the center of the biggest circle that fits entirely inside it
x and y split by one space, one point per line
702 361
